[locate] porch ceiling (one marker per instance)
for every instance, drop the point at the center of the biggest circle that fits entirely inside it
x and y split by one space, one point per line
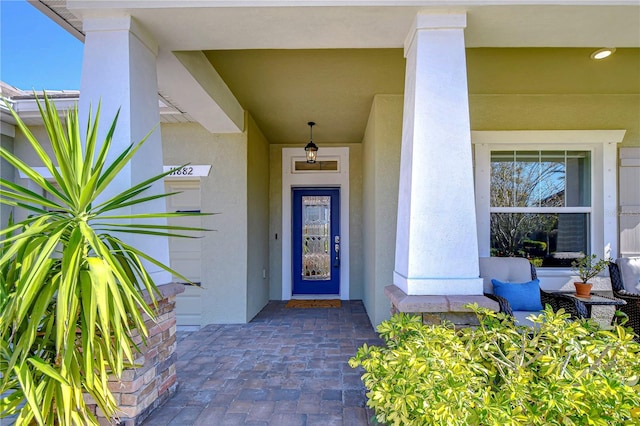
289 62
284 89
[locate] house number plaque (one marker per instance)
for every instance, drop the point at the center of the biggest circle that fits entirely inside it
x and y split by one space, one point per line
189 171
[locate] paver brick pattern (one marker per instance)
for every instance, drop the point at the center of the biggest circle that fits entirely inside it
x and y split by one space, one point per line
287 367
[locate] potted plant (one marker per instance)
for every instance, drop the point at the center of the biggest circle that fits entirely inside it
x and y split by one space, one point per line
70 287
587 267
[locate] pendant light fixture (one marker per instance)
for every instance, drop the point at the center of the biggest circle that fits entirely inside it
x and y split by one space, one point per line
311 149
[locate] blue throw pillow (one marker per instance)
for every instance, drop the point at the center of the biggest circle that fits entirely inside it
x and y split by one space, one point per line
521 296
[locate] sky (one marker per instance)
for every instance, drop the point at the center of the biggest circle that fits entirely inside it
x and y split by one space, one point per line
36 53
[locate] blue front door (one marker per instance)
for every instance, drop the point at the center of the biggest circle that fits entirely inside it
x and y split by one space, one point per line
316 241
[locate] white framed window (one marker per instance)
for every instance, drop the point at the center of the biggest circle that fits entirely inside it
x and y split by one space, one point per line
540 204
546 195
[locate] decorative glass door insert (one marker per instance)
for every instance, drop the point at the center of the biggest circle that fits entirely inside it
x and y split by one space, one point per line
316 241
316 234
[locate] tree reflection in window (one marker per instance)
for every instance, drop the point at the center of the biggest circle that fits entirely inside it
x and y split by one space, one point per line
540 205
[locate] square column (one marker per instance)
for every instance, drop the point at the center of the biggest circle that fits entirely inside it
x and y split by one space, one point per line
119 70
436 241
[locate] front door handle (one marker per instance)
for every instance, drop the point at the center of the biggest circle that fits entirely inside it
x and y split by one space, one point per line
336 251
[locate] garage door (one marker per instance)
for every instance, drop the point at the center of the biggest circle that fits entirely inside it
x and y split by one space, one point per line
185 253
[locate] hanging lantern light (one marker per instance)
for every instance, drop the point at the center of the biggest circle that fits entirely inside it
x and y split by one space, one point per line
311 149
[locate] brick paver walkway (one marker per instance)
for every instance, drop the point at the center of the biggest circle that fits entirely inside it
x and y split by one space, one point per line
287 367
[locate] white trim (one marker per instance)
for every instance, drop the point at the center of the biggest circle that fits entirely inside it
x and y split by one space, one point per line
296 159
542 209
546 137
28 108
609 193
329 179
482 164
434 21
603 147
121 23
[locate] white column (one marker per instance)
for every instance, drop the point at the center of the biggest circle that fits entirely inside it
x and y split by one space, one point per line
119 70
436 242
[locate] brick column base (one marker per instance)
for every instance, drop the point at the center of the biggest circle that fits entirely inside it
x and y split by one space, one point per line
140 390
436 309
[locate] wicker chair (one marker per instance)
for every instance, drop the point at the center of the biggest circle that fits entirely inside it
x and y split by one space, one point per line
520 270
631 308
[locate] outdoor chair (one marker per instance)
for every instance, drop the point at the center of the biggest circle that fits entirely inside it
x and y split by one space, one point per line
625 282
519 288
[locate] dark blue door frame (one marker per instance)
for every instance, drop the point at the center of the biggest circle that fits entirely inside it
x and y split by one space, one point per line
315 255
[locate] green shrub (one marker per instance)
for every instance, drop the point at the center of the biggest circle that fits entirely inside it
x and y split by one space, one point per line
537 261
537 247
558 373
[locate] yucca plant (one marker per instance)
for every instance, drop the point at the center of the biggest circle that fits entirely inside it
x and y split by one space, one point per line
70 289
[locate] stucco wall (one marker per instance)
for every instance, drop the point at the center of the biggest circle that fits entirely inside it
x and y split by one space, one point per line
356 289
369 217
554 89
356 217
382 142
233 289
558 112
224 192
23 149
257 220
275 222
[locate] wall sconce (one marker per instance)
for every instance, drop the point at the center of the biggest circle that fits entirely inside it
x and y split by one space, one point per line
311 149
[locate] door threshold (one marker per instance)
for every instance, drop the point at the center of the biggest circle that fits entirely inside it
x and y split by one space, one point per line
315 296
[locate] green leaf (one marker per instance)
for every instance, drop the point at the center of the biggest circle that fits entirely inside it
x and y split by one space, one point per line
20 193
46 369
28 387
119 164
42 154
31 174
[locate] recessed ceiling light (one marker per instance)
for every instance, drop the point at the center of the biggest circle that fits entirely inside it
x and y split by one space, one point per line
603 53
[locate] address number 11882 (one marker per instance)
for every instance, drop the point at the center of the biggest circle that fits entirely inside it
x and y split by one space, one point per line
183 171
